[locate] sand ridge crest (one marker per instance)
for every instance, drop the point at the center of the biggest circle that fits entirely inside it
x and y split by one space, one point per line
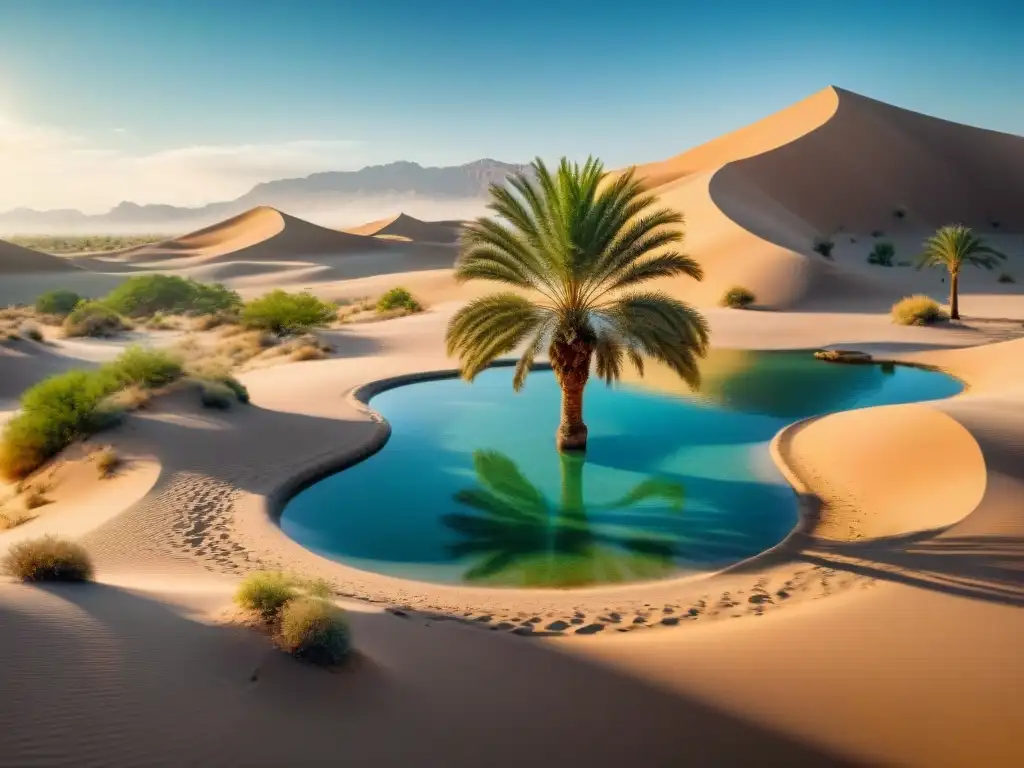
262 233
410 228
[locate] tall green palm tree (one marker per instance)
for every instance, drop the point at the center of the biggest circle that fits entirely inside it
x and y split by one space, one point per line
952 247
578 242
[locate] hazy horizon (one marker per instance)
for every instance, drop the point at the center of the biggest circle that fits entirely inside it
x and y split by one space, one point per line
186 103
338 215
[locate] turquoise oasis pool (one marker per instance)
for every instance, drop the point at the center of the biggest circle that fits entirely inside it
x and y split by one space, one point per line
470 489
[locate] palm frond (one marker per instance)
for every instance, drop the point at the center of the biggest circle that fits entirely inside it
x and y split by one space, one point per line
489 327
955 245
581 239
525 363
667 264
637 240
662 328
608 356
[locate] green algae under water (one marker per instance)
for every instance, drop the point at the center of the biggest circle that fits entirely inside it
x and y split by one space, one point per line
469 489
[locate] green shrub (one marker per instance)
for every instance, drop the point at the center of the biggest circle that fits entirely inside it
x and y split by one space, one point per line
824 246
216 394
74 405
882 254
398 298
54 413
48 559
93 319
917 310
315 630
148 294
220 389
738 298
900 213
287 313
266 592
146 368
241 393
1006 277
59 302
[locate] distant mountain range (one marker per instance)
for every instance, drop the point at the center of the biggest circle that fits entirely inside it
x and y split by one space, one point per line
321 193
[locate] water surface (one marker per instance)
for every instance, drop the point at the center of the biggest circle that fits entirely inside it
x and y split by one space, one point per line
470 489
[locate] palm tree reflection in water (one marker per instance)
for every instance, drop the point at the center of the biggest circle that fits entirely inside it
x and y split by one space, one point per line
518 538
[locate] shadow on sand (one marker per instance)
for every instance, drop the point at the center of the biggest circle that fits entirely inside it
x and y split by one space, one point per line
110 677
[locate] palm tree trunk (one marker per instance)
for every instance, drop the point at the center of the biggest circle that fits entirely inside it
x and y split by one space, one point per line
572 432
570 360
954 297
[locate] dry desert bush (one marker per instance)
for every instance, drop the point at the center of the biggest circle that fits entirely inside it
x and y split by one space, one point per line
12 519
917 310
107 462
315 630
738 297
300 614
48 559
93 319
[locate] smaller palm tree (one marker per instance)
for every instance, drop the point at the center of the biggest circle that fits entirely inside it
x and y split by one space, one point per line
952 247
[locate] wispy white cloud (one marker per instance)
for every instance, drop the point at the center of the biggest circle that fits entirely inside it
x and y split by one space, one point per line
44 167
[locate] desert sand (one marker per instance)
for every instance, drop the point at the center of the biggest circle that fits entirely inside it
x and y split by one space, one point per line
884 630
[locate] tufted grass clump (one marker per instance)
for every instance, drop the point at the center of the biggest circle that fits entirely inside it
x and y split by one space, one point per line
48 559
266 593
917 310
315 630
738 297
95 320
31 331
1006 277
58 303
35 498
107 463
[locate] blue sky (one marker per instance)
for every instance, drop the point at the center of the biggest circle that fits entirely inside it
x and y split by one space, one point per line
201 98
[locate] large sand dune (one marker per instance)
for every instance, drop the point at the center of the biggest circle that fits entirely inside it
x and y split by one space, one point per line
839 165
261 233
16 260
